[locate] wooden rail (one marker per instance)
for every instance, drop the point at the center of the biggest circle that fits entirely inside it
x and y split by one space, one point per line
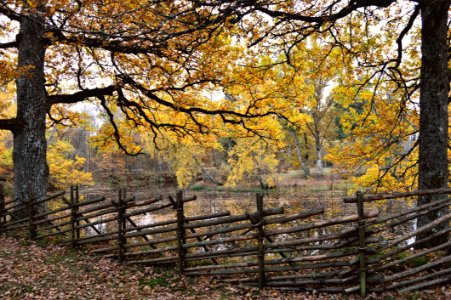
265 247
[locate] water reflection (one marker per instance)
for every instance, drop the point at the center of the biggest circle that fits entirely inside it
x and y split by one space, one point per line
293 199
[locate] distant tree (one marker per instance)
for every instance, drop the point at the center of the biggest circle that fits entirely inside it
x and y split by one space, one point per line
319 75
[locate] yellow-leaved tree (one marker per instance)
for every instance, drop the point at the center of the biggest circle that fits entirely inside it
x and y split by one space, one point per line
66 168
7 110
376 147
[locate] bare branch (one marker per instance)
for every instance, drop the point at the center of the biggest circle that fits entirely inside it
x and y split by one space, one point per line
116 133
6 11
403 33
319 20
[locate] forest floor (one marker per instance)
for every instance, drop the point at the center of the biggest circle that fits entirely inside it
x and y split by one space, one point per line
32 271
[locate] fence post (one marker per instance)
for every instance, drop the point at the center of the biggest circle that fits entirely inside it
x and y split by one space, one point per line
362 245
77 221
31 213
2 206
121 224
261 236
74 224
180 230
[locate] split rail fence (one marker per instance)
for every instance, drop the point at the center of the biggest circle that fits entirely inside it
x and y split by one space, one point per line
362 252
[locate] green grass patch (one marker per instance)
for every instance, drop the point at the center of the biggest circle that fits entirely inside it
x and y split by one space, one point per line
154 282
202 188
418 261
66 257
237 190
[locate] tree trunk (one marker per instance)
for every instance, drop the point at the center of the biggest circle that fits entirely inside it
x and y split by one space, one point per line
318 144
433 143
304 164
319 161
30 146
318 117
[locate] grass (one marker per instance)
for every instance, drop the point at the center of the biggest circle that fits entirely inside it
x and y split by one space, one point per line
154 282
418 261
318 188
289 179
204 188
66 257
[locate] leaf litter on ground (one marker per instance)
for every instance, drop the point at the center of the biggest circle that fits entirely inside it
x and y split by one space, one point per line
29 271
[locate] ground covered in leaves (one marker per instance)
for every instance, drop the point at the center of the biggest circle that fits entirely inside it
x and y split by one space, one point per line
30 271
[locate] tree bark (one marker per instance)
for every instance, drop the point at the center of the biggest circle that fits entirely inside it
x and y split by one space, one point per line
318 130
318 146
304 164
434 88
30 145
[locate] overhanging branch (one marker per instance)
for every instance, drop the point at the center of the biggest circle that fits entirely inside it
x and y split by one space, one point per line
116 133
8 45
403 33
224 113
6 11
345 11
9 124
82 95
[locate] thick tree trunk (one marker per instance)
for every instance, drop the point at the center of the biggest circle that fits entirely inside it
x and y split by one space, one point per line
433 161
30 146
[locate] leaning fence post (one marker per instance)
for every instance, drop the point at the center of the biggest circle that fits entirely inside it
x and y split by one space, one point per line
121 224
362 245
180 230
261 236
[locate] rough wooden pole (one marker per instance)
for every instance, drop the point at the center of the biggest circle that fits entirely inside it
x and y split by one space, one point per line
261 236
73 216
2 205
77 222
121 224
362 246
180 231
31 214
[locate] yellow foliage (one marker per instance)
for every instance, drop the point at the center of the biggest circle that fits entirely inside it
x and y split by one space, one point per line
6 157
253 157
65 168
7 109
378 148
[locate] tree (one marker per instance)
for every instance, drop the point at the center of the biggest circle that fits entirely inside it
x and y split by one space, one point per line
318 74
352 27
377 145
255 143
131 58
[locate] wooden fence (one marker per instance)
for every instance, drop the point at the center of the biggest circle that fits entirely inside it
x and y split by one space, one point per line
303 251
